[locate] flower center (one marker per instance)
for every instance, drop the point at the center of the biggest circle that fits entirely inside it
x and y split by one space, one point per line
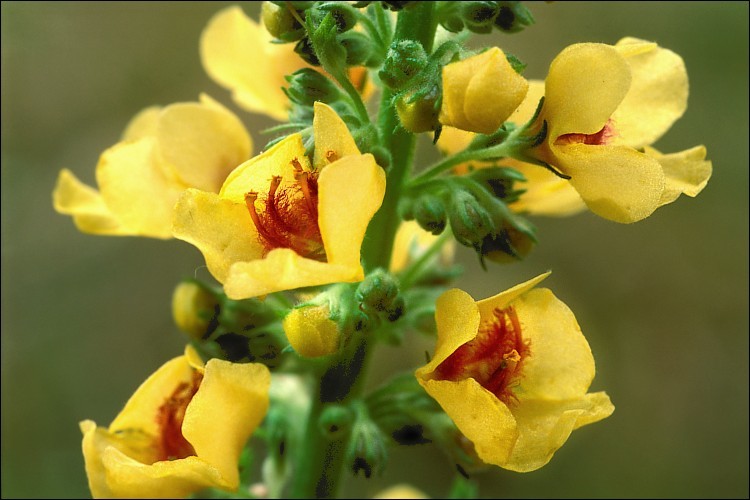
601 138
171 443
493 358
288 214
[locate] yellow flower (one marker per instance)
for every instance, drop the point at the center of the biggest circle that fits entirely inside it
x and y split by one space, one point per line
238 54
481 92
163 151
311 332
512 371
180 432
603 105
282 222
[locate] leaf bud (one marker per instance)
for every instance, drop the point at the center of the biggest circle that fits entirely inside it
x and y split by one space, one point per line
194 310
429 212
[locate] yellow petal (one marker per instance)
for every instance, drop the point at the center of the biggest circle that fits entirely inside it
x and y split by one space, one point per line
503 299
527 108
221 229
331 135
350 191
452 140
136 187
480 92
203 143
545 425
545 193
311 332
687 172
238 54
231 402
283 269
411 242
86 205
256 173
493 93
142 124
478 414
561 365
657 96
457 318
616 182
585 84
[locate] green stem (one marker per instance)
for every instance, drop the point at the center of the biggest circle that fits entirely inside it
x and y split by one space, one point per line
415 23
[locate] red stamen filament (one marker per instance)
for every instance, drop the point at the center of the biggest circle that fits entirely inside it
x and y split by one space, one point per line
494 358
171 443
289 216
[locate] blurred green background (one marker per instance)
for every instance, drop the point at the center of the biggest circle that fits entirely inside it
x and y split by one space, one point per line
663 303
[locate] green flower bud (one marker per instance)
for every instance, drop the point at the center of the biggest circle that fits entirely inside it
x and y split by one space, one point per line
396 6
304 48
511 244
280 22
479 13
377 291
343 14
396 309
512 17
429 212
469 220
405 59
194 310
335 421
358 47
307 86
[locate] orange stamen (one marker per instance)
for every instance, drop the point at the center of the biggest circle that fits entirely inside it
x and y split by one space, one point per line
331 156
601 138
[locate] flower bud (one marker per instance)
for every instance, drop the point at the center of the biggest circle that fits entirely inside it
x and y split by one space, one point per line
307 86
510 245
429 213
469 220
419 113
479 16
281 23
405 59
335 420
311 332
377 291
481 92
344 15
194 310
304 48
512 17
358 47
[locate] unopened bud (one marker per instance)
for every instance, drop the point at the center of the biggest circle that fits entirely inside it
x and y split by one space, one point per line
335 421
311 332
511 244
307 86
405 59
358 47
280 22
469 220
479 16
512 17
429 212
344 15
304 48
194 310
419 113
377 291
